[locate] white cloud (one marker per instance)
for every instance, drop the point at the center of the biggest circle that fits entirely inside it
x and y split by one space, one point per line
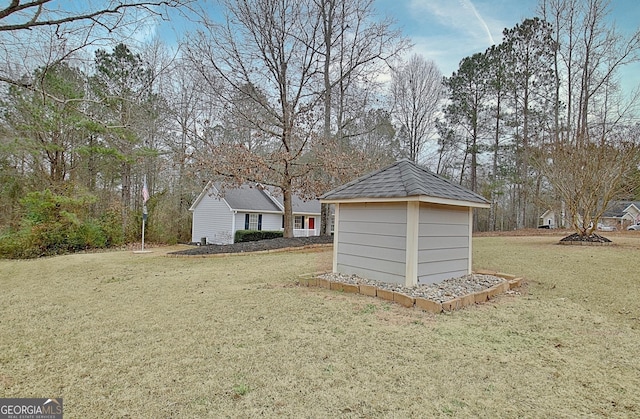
446 31
458 17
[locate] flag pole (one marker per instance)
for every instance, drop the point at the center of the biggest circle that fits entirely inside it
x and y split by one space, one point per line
144 220
145 198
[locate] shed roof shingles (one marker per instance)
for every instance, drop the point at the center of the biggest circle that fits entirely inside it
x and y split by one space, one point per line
403 179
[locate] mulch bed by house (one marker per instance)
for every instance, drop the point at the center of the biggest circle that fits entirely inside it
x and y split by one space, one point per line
254 246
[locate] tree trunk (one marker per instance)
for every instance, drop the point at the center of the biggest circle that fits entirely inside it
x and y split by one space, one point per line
126 196
288 208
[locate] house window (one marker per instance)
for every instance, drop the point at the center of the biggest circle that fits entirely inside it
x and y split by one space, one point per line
298 222
253 221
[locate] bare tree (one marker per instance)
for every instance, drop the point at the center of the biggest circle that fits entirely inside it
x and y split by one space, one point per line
270 45
356 48
42 33
588 145
588 177
417 91
192 110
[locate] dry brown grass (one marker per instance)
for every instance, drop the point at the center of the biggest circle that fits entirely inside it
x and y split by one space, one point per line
123 335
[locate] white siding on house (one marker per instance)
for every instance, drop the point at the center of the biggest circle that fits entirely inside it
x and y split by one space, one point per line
272 222
548 219
212 218
443 243
269 221
372 241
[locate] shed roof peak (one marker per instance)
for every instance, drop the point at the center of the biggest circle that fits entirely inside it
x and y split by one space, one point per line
404 178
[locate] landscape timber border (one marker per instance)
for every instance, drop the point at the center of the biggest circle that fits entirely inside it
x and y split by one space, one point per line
510 282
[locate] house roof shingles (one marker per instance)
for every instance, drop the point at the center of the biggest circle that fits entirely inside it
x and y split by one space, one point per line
615 209
257 198
299 205
403 179
250 198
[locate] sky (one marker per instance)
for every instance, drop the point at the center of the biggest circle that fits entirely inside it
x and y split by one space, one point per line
446 31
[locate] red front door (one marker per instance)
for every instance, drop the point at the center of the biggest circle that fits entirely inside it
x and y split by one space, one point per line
312 223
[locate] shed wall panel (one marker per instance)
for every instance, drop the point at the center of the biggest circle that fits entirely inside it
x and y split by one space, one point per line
433 278
392 242
436 267
372 241
442 214
374 212
443 243
433 229
386 228
375 252
459 253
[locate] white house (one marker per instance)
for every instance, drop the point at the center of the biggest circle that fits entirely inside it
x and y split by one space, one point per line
548 219
618 214
621 214
403 224
217 214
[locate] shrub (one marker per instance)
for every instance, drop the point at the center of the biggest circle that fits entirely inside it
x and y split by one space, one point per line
110 223
255 235
56 224
13 245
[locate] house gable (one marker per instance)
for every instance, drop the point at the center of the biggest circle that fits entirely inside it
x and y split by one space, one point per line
632 212
212 220
621 213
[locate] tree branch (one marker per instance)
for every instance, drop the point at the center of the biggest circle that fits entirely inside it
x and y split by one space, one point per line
16 7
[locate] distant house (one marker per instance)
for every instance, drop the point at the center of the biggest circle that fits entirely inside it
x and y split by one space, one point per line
621 214
217 214
618 215
548 219
403 224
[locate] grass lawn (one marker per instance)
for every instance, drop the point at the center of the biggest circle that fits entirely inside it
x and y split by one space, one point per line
141 336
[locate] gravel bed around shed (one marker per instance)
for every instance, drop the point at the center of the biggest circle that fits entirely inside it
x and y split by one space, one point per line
440 292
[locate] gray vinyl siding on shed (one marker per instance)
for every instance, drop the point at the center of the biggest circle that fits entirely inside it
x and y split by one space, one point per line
443 243
212 219
403 224
373 241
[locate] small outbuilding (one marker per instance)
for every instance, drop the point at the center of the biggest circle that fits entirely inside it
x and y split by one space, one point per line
403 224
